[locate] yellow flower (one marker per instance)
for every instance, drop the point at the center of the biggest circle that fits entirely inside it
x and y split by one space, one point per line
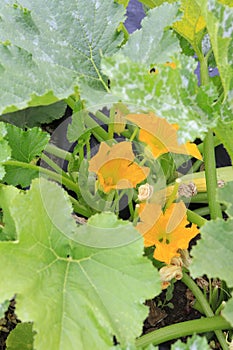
167 231
115 167
160 136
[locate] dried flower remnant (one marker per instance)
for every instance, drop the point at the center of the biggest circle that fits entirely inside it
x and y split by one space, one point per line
167 231
115 167
145 192
168 272
187 190
160 136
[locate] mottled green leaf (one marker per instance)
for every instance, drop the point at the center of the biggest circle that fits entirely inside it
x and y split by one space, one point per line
35 116
170 92
152 43
85 294
21 337
47 48
219 20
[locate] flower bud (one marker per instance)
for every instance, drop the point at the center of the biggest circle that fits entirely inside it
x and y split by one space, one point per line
145 192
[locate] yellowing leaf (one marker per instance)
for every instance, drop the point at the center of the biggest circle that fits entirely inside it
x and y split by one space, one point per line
192 23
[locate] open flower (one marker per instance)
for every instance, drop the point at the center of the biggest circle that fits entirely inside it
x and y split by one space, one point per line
115 167
167 231
160 136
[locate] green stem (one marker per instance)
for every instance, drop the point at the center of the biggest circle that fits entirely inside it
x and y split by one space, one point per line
195 218
195 166
208 152
206 210
51 174
102 117
58 152
199 198
79 208
53 165
182 329
211 176
99 133
189 282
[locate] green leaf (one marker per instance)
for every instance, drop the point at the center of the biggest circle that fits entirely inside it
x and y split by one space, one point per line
21 337
35 116
224 133
77 127
152 43
8 231
3 308
219 20
5 151
123 2
214 251
85 294
182 102
25 146
154 3
224 195
195 342
47 49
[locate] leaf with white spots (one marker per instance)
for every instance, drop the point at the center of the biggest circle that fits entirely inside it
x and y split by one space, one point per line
171 92
47 48
154 43
219 19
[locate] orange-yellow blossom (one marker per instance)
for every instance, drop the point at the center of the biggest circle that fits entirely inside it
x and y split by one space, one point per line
160 136
115 167
167 231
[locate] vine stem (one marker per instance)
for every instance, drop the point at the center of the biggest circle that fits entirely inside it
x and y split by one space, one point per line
189 282
182 329
208 152
211 176
57 177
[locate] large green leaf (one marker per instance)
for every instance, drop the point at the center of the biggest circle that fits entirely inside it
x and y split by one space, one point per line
86 295
48 48
151 44
171 93
213 253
